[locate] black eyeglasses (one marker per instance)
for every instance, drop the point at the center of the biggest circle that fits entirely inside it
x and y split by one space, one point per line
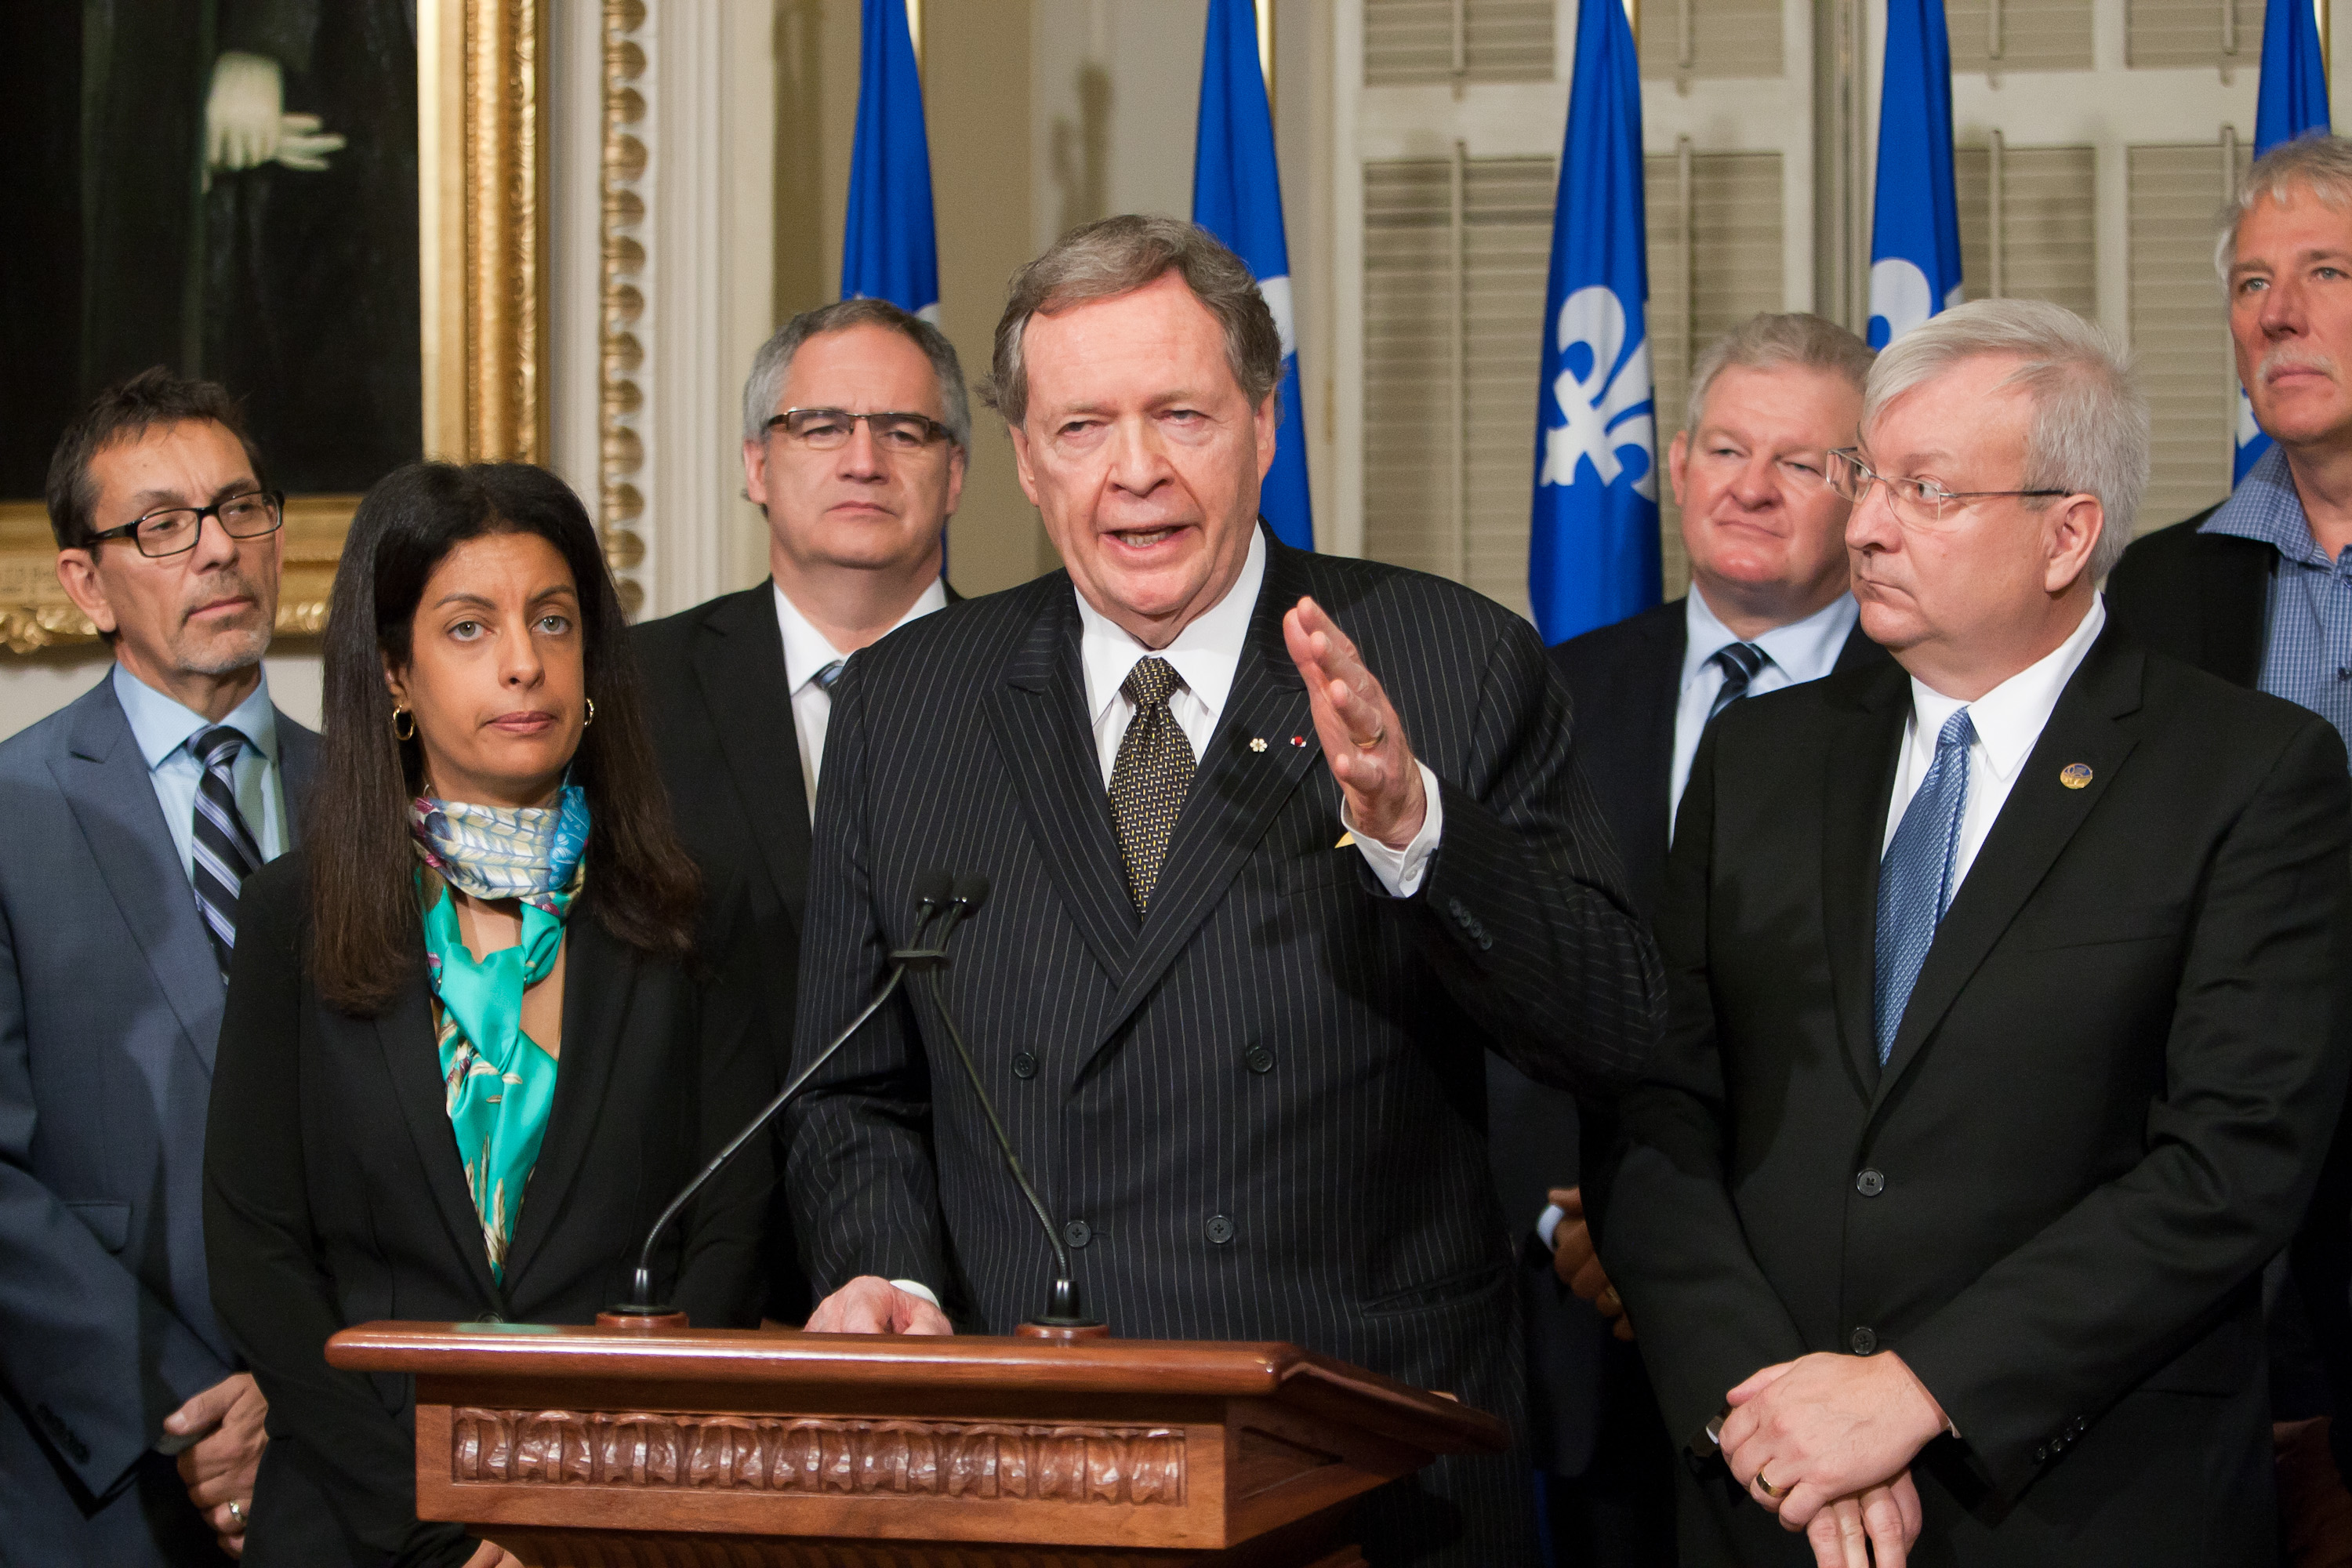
175 530
825 430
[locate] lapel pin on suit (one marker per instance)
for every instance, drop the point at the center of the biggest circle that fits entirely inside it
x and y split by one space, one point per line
1258 742
2074 775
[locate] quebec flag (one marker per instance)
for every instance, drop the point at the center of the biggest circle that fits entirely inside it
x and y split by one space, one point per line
890 250
1237 196
2292 100
1915 229
1592 542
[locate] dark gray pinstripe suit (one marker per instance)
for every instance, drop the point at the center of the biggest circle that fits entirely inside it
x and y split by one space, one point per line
1278 1046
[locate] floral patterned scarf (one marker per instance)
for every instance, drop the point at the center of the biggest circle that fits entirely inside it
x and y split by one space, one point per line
499 1083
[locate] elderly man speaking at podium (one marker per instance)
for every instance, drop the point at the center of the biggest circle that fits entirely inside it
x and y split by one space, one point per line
1279 845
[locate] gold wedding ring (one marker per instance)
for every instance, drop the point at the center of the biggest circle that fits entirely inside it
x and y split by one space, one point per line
1769 1489
1378 736
237 1512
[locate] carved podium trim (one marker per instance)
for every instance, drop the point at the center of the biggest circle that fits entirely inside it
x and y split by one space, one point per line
815 1457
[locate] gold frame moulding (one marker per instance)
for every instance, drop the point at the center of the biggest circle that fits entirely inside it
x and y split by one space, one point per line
481 158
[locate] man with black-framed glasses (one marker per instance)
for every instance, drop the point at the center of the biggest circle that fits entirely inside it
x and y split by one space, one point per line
856 431
128 1432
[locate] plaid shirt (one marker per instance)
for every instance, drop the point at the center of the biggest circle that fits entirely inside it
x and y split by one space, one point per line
2308 650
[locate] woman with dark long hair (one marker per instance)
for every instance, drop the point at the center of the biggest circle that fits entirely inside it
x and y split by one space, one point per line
484 1027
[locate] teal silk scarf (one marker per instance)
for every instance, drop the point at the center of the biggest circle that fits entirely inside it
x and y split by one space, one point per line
499 1083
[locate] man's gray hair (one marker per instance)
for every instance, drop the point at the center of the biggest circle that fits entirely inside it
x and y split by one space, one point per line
2316 162
2089 433
1769 341
765 385
1117 256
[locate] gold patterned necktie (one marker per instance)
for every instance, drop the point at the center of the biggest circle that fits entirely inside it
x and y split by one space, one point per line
1151 777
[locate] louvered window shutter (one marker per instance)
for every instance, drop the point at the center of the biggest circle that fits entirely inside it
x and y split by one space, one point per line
2179 328
1411 42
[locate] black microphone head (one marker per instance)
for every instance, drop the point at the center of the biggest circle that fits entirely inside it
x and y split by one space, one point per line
934 889
970 892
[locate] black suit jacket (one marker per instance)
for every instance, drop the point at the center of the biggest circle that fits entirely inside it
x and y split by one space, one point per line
1586 1391
1257 1112
2106 1102
334 1194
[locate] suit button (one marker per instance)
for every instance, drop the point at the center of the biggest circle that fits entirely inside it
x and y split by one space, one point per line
1870 1183
1864 1341
1259 1059
1221 1230
1077 1233
1024 1066
1454 907
1485 943
2041 1454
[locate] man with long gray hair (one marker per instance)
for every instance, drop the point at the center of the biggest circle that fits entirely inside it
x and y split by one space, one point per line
2012 1007
2258 591
856 431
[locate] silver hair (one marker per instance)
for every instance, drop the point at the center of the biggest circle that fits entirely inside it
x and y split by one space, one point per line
765 385
2315 162
1766 342
2090 428
1117 256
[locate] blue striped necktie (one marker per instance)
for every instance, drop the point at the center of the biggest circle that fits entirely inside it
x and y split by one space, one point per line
1740 662
1915 880
226 853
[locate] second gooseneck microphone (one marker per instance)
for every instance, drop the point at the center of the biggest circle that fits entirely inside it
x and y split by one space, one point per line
1063 1309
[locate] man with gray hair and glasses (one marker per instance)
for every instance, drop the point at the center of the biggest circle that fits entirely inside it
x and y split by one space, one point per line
1768 607
2258 591
2012 1005
856 432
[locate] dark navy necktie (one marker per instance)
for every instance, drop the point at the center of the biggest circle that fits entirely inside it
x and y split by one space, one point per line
225 851
1915 880
1740 663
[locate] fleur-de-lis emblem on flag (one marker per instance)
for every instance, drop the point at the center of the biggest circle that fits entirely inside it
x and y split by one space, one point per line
1607 405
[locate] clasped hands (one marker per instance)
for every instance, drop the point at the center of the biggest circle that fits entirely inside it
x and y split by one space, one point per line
1831 1437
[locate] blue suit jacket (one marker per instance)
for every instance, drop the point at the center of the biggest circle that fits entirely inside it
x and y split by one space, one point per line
110 1009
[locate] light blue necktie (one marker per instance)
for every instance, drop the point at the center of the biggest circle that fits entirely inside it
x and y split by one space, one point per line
1915 880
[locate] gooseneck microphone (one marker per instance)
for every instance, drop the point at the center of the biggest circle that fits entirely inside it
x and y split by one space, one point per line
1063 1311
936 896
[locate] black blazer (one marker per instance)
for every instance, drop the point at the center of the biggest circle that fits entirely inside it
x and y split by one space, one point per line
1257 1112
2106 1103
1588 1399
1626 680
334 1194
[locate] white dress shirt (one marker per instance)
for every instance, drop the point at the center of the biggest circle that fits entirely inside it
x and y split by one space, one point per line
1205 655
2008 720
162 727
1800 651
806 651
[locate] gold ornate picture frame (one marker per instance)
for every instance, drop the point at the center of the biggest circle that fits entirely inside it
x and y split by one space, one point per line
483 294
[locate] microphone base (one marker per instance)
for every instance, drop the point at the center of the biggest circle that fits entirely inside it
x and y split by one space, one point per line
1063 1330
641 1319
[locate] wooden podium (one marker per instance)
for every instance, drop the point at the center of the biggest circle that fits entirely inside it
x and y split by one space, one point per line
577 1447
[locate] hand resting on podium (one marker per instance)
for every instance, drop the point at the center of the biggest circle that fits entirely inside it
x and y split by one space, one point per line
870 1304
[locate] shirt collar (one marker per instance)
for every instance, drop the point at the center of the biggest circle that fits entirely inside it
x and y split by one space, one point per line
1205 653
162 724
2265 508
1804 651
808 650
2011 717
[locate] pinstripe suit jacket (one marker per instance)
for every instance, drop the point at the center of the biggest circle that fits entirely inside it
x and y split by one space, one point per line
1259 1112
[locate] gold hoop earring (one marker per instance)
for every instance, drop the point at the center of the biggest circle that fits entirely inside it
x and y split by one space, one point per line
591 713
397 715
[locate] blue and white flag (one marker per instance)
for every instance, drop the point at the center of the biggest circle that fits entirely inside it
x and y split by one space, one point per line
1915 228
1237 196
1593 541
2292 100
890 249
